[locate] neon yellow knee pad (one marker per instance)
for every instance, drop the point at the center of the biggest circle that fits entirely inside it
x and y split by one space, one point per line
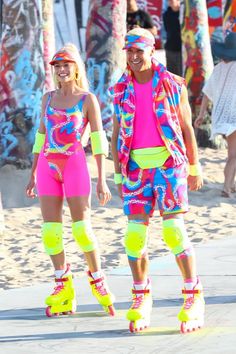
136 239
84 236
52 237
175 235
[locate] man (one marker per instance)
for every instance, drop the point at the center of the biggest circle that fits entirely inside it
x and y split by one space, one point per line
152 143
139 18
173 38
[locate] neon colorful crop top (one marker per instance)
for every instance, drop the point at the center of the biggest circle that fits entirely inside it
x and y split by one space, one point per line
64 128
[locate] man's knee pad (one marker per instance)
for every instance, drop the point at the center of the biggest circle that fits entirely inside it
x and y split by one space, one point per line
52 237
175 235
136 239
84 236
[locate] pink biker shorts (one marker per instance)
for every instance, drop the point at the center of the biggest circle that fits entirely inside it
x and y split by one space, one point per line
69 177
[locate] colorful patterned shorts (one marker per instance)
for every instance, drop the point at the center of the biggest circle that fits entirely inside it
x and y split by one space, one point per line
166 186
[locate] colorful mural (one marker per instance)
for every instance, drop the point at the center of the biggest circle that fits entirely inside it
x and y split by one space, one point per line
48 41
154 8
198 63
105 32
215 19
230 18
22 78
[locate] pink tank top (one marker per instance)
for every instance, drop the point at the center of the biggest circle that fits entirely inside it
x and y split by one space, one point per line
145 134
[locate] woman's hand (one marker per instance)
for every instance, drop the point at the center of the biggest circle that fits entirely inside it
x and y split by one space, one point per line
30 188
198 121
103 192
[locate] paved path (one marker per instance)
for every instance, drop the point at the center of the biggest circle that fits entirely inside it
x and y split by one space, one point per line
24 329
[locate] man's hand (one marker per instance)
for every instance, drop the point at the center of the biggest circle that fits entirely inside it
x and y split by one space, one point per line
195 182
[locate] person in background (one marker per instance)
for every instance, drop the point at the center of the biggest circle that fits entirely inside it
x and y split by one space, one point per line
139 18
60 170
155 160
220 89
173 38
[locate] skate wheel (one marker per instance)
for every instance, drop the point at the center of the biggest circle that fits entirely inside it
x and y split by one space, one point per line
71 312
138 326
48 311
191 326
183 328
131 327
111 310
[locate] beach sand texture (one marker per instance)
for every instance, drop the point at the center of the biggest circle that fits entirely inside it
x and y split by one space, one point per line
22 258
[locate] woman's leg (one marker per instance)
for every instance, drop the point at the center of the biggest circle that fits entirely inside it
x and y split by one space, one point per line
80 214
51 208
230 167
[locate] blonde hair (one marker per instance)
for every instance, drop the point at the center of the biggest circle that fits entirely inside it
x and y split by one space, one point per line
80 71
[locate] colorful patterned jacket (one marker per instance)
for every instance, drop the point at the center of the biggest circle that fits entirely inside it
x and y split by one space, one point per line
166 99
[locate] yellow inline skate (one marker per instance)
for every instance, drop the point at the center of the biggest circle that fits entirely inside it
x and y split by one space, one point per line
102 293
140 310
62 301
191 314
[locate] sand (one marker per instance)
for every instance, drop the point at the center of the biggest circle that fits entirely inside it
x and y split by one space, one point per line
22 258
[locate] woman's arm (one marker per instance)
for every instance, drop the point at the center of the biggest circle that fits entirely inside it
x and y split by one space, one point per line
199 120
95 121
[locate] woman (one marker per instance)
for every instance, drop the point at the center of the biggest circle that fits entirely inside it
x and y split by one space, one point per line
59 169
220 89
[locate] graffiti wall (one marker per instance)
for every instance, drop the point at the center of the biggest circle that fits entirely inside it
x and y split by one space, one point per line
105 60
154 8
21 79
230 17
198 62
215 19
48 41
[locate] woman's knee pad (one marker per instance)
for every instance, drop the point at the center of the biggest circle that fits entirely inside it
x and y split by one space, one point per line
136 239
175 235
52 237
84 236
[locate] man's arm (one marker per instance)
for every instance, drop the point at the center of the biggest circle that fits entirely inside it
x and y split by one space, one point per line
185 118
149 24
114 139
117 167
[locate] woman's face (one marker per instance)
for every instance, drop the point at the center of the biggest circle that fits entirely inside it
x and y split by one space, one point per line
64 71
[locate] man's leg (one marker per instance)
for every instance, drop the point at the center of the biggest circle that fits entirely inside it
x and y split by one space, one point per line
136 246
175 236
136 249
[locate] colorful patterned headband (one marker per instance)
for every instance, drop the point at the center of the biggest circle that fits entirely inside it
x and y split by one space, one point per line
62 55
139 42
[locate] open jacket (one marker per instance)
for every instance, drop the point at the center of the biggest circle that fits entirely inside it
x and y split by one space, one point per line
166 99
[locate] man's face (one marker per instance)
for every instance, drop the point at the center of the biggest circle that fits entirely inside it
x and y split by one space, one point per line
174 4
138 59
132 5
